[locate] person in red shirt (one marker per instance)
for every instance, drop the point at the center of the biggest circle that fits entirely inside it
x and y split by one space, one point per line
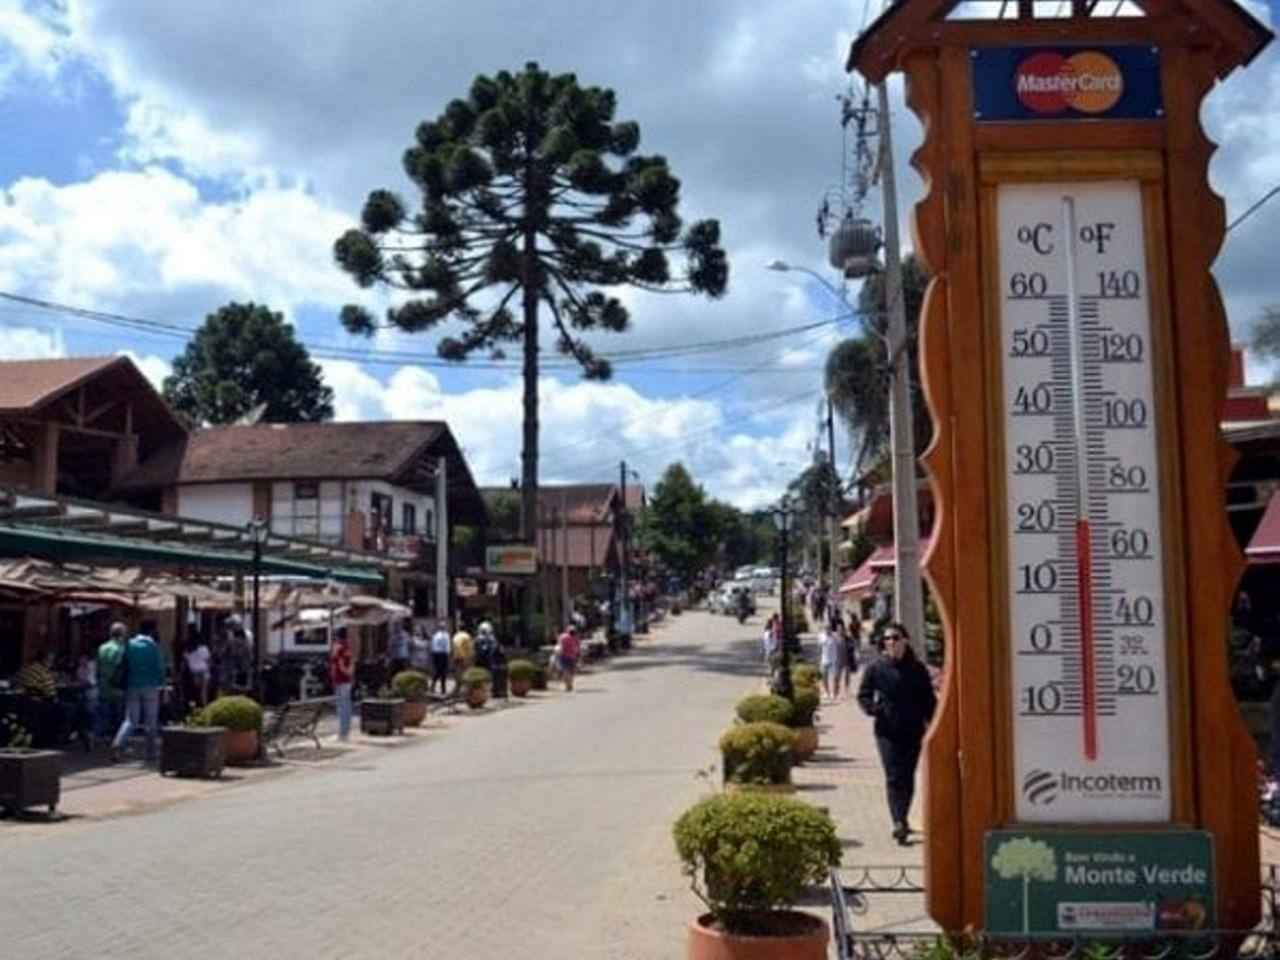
341 670
568 650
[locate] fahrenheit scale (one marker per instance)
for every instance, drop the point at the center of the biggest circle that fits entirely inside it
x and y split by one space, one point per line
1088 675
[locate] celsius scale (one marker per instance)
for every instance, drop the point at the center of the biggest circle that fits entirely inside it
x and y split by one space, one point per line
1085 575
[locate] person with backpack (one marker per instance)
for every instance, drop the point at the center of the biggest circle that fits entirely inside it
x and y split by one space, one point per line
144 674
111 682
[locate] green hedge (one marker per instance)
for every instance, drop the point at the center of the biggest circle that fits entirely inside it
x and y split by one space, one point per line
804 703
522 669
412 685
758 753
764 707
750 854
233 712
476 675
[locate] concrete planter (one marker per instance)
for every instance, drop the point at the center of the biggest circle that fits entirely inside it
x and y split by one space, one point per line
30 778
193 751
382 718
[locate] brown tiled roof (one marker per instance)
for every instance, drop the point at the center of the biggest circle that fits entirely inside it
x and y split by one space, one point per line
386 450
585 503
283 451
27 384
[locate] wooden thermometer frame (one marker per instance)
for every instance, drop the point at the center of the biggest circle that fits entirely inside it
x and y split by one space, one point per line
1147 170
968 789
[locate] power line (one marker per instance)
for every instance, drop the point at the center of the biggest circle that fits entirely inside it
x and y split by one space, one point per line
1253 209
336 352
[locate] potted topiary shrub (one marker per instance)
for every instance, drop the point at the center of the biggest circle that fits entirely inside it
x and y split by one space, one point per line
242 718
751 858
412 686
805 675
522 674
764 708
804 707
539 676
758 756
28 777
475 681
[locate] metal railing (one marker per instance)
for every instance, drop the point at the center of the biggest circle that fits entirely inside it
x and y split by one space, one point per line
851 893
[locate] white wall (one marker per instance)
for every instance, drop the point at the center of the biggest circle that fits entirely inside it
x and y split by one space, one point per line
424 504
217 502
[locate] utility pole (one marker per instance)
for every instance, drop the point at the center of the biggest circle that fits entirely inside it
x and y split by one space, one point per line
564 558
833 520
623 615
908 596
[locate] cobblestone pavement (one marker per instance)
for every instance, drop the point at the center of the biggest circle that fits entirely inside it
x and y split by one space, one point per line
541 831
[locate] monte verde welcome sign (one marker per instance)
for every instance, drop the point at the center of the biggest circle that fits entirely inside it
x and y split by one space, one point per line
1078 883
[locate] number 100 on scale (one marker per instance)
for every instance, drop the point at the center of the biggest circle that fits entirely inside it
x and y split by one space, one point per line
1085 563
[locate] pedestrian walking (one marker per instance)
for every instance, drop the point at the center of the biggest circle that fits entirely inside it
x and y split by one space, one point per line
198 660
849 637
463 652
830 661
441 646
568 650
144 667
111 682
897 691
341 673
398 646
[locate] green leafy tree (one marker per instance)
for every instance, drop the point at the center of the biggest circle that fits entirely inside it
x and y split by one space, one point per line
680 529
857 372
1265 338
244 356
743 538
533 198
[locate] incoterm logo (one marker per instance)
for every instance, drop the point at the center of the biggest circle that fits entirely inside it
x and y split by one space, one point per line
1088 81
1040 787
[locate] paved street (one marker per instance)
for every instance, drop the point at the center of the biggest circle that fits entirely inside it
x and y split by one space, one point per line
541 831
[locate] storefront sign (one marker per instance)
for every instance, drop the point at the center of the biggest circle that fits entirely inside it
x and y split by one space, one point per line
511 560
466 588
1094 883
404 546
1066 83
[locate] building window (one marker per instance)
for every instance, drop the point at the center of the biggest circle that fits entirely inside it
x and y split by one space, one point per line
306 510
380 513
409 518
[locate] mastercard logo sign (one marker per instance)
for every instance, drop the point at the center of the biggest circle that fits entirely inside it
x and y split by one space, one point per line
1050 83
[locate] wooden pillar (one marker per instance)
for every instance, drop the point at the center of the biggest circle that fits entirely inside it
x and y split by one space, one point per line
44 477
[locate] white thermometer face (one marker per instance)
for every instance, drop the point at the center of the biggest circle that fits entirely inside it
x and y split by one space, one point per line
1089 680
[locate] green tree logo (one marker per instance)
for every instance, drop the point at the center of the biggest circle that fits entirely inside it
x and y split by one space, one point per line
1025 859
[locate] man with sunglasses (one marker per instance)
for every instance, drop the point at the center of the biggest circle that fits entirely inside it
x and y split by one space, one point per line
897 692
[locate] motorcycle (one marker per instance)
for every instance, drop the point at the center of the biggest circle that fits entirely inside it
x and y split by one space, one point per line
742 613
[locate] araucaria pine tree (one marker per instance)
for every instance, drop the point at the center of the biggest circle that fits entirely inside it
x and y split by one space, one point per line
533 196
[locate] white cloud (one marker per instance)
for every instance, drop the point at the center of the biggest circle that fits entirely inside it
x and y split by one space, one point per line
30 343
154 368
586 428
31 45
125 237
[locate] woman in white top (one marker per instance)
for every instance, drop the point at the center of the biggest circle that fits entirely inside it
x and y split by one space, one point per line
830 660
197 660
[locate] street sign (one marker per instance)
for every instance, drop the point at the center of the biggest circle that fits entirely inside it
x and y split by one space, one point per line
511 560
1085 565
1098 883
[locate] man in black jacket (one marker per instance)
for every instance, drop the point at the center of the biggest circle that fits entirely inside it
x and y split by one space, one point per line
897 691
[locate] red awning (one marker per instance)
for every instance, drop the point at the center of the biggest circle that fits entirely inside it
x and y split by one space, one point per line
883 560
1264 545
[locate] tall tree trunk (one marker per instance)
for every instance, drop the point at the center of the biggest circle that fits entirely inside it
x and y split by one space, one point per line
529 455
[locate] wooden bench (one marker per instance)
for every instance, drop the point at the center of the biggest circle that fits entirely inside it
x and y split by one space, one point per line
297 718
446 701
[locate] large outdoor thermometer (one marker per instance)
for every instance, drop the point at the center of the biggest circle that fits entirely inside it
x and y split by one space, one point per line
1088 672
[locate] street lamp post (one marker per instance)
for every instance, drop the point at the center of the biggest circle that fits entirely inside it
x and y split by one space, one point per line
258 530
908 595
782 517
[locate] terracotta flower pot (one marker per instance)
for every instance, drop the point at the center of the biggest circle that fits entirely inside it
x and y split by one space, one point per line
241 745
808 941
521 687
415 711
806 742
477 696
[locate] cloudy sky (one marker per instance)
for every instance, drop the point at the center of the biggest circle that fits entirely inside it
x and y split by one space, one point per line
163 158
